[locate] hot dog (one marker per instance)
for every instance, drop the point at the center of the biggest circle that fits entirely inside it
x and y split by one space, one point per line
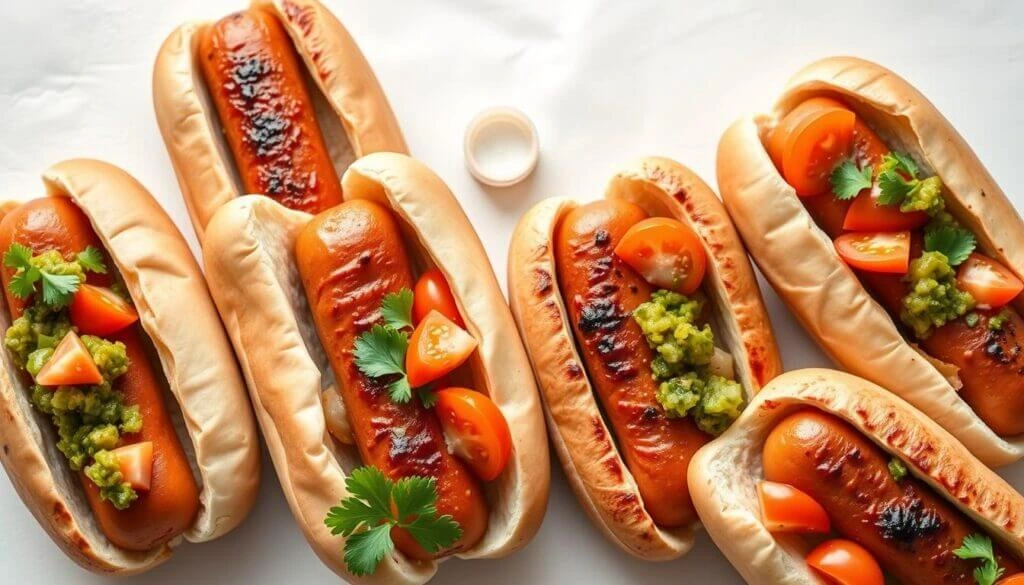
657 449
909 530
81 353
275 100
255 82
388 301
584 285
904 241
356 246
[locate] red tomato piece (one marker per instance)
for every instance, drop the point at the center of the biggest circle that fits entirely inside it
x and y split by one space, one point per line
990 283
100 311
846 563
432 293
787 509
867 215
810 141
476 430
436 347
665 252
136 462
876 251
70 364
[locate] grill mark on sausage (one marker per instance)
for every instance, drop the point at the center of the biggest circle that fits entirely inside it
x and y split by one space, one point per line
904 522
601 238
599 315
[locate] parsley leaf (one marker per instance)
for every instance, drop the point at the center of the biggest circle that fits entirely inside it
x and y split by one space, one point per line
91 259
954 243
979 547
396 309
847 180
377 504
380 352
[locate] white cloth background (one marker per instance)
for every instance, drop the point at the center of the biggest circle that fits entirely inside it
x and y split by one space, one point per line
604 80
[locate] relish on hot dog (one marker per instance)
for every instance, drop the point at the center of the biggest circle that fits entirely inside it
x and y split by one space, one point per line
395 368
827 477
275 100
856 169
647 334
91 332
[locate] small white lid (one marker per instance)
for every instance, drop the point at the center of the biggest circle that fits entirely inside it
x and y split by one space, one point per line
501 146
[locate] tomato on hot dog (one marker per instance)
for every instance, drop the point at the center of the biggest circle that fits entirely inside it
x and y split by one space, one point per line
929 305
647 334
391 333
81 355
859 486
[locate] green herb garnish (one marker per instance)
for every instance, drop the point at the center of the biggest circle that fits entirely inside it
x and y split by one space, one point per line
58 286
91 259
979 547
897 469
847 180
955 243
380 352
376 505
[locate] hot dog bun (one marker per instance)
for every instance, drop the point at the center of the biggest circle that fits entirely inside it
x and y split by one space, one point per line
353 112
724 474
211 413
801 263
579 433
256 285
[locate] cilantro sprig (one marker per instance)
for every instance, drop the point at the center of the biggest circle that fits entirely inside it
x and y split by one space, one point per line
380 352
91 259
57 289
979 547
396 309
955 243
376 505
847 180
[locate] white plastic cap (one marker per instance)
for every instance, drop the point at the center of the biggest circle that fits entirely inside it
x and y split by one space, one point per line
501 146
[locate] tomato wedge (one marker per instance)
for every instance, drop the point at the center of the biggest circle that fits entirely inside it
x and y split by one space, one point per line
810 141
867 215
476 430
1017 579
436 347
787 509
70 364
433 294
990 283
665 252
100 311
876 251
136 463
846 563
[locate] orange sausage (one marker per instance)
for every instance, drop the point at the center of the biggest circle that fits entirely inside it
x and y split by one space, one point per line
600 293
910 530
256 83
991 362
170 506
349 258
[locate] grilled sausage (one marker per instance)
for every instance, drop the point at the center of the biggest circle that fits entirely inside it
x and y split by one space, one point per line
910 530
600 293
991 363
170 505
256 83
349 258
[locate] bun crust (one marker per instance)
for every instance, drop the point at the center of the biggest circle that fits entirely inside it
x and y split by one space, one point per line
724 474
799 260
256 285
584 444
213 417
354 113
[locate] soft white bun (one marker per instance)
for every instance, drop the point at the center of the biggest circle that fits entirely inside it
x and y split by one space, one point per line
724 473
353 112
799 260
582 439
211 408
249 259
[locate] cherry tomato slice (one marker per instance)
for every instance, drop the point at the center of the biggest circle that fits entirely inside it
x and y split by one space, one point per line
100 311
887 252
810 141
665 252
787 509
433 294
476 430
867 215
990 283
436 347
1017 579
69 365
136 463
846 563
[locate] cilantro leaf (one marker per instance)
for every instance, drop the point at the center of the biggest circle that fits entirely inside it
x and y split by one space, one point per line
428 397
23 283
893 188
902 161
847 180
954 243
976 546
988 573
377 504
400 391
364 550
91 259
396 309
18 256
59 288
